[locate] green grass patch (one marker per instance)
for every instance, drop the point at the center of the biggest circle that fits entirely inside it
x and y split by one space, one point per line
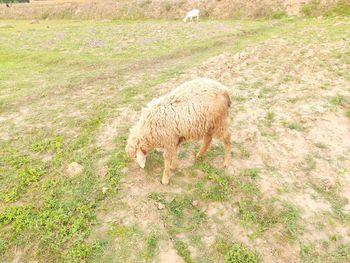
293 125
279 15
183 251
241 254
290 217
251 172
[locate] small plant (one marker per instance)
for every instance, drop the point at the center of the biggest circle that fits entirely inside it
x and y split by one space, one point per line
336 100
152 244
259 214
270 116
240 254
293 125
320 145
251 172
308 253
341 254
279 15
347 113
290 219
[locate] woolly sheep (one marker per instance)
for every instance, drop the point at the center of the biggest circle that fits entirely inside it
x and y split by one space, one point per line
191 14
197 109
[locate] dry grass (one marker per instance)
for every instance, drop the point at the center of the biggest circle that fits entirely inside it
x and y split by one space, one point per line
136 9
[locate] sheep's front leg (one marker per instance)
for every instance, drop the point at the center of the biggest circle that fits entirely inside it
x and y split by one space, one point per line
227 146
169 162
205 145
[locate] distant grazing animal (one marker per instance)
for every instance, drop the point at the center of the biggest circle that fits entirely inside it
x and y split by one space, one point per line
197 109
191 14
7 5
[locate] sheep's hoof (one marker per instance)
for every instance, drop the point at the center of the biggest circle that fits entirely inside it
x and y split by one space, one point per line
165 181
199 156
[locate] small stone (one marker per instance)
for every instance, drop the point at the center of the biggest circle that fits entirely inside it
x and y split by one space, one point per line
104 190
34 21
125 170
161 206
195 203
74 169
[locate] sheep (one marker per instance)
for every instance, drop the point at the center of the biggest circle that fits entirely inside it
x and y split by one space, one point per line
197 109
191 14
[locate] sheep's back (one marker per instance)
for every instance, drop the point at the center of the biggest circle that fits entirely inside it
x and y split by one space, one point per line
191 110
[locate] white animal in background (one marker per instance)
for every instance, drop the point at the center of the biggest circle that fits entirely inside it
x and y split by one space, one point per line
191 14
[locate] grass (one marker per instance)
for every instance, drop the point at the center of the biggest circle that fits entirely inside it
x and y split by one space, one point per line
290 217
293 125
316 8
183 251
63 82
241 254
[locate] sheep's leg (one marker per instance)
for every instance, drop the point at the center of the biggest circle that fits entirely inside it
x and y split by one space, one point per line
205 145
173 164
227 147
169 161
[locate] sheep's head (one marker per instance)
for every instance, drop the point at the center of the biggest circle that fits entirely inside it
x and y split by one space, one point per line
135 150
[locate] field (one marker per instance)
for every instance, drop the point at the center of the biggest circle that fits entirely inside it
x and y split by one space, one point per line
70 90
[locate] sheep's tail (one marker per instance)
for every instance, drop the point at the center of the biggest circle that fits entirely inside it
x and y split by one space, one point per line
228 100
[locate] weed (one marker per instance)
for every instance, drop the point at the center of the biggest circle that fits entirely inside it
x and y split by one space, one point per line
347 113
279 15
308 164
151 246
341 254
308 253
336 201
293 125
240 254
289 216
79 251
183 251
219 188
54 143
321 145
254 213
270 116
251 172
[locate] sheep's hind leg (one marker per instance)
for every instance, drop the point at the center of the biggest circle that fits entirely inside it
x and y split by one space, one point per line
169 161
227 146
173 163
205 145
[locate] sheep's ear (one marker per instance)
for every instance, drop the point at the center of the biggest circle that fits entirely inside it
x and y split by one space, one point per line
141 158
